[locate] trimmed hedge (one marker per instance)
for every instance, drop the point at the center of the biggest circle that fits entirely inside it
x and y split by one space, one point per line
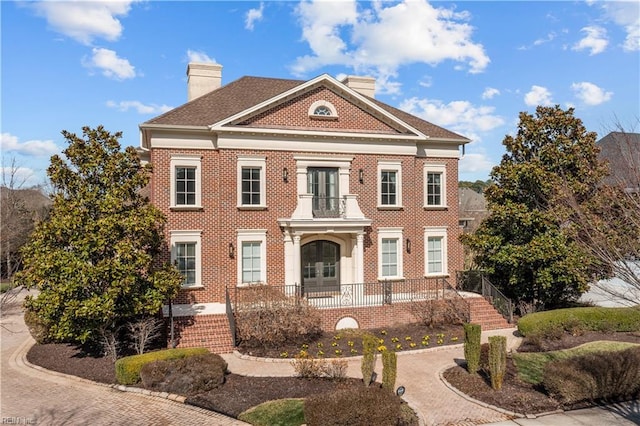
128 368
472 337
577 320
593 377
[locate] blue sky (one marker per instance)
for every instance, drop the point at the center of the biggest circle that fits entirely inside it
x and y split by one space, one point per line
469 66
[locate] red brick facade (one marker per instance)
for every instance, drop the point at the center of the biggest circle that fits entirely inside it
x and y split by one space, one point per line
219 217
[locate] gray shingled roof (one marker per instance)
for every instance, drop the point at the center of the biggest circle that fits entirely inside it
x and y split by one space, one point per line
247 92
622 151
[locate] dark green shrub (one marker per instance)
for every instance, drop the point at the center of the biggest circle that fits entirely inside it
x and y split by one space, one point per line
185 376
472 334
36 326
551 323
361 407
128 368
266 318
389 370
368 363
594 376
497 360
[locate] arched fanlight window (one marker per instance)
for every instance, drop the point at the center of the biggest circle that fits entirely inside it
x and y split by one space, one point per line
323 109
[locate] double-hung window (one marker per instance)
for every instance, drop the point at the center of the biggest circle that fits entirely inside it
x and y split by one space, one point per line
251 182
390 184
435 250
185 181
435 188
252 262
185 255
390 253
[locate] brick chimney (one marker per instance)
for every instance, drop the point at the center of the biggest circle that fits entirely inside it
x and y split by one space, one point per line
202 78
363 85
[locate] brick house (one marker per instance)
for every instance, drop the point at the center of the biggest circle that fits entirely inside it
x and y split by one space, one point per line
308 184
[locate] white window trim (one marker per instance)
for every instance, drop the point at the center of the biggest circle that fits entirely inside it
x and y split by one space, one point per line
253 162
190 236
246 236
391 233
329 105
186 161
436 168
390 166
436 231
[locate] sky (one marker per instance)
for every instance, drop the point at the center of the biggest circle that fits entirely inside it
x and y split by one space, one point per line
468 66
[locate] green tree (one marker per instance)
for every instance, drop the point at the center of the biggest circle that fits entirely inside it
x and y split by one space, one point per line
92 260
523 243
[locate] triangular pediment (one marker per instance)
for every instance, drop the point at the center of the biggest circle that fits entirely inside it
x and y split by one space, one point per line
293 111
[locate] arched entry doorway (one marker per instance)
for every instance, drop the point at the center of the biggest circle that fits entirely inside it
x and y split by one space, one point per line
320 266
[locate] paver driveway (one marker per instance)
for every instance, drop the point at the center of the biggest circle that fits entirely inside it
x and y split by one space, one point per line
29 396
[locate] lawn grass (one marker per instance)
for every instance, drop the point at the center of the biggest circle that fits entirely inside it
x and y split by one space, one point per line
4 286
531 365
283 412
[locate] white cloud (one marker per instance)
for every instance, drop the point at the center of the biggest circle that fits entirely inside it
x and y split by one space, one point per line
84 21
489 93
590 94
627 15
475 163
139 107
198 56
459 116
596 40
538 95
552 35
380 39
253 15
10 143
111 65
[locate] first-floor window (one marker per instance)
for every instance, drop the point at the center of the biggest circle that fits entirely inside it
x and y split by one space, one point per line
252 256
251 262
390 253
185 255
434 255
389 257
435 248
186 262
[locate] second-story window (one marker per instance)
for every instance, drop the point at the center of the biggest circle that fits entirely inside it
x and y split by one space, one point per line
185 181
252 182
185 186
435 186
389 184
250 186
388 191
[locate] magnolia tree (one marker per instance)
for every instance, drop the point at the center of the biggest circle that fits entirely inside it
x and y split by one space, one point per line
92 260
525 244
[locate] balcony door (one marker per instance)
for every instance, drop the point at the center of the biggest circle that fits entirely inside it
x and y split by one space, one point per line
320 267
323 184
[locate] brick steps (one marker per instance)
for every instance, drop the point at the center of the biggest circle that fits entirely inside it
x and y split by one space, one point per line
483 313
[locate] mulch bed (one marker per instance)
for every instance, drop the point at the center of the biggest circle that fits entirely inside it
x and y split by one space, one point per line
408 336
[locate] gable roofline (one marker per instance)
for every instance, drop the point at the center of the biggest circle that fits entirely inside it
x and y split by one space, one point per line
308 85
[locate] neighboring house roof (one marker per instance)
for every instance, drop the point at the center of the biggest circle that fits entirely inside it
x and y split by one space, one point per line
622 151
248 92
472 208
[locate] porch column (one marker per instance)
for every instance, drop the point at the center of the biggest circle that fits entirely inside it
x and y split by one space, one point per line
359 276
296 259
